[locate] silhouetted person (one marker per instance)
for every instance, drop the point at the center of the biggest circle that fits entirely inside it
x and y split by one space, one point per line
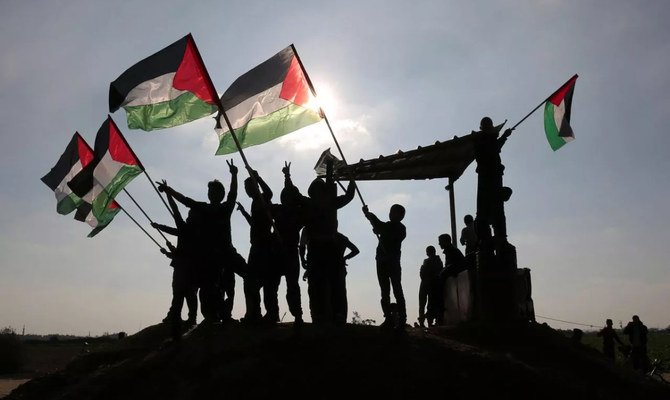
184 283
429 287
320 210
289 220
389 273
637 336
261 252
337 279
490 192
609 337
216 249
454 261
469 235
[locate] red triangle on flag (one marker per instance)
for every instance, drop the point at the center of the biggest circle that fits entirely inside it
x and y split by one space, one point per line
295 88
191 75
118 147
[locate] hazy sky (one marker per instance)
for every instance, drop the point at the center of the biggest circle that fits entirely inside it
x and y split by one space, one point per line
590 220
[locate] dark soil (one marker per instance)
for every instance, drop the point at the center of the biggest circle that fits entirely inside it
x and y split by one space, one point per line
355 361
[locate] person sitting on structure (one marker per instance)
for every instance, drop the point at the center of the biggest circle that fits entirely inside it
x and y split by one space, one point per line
429 287
391 234
454 260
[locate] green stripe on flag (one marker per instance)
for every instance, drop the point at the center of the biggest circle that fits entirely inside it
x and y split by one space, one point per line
550 128
68 204
263 129
106 218
180 110
102 200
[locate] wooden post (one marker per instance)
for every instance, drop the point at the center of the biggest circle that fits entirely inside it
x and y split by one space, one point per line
452 211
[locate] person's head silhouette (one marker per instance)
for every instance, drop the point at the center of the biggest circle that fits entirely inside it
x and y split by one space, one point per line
444 240
215 192
486 124
396 213
251 188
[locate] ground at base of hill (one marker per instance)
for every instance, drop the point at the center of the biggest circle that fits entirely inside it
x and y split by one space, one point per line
237 361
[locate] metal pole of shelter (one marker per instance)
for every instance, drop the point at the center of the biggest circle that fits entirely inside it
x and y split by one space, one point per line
452 210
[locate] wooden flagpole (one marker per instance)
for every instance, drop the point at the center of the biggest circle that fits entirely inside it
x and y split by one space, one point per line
140 226
222 111
140 165
574 77
143 212
325 117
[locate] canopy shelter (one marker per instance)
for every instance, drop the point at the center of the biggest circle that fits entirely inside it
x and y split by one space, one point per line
440 160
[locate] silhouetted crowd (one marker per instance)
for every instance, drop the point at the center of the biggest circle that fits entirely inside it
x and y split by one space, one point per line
300 230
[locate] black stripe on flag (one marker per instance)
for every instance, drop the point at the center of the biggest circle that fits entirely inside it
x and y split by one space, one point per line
160 63
566 129
264 76
83 182
69 158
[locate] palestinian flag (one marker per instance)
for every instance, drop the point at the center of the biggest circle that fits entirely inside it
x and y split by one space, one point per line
85 214
557 115
167 89
113 167
267 102
321 164
77 155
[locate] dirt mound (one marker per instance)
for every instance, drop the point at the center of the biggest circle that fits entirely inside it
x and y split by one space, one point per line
235 361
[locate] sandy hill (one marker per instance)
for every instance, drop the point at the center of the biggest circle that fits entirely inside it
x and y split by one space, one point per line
355 361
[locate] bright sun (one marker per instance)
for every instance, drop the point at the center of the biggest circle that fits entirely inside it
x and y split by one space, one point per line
325 99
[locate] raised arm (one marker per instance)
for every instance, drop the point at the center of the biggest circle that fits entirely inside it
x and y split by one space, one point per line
232 191
244 212
164 228
176 214
346 198
188 202
376 223
503 138
265 189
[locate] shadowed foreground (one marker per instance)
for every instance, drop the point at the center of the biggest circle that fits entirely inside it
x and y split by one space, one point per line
239 362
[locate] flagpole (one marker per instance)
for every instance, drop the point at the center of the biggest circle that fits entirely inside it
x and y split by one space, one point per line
452 210
157 192
575 76
140 165
140 226
325 117
222 111
143 212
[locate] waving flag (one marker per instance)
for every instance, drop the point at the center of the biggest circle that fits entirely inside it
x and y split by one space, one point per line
113 167
269 101
85 214
557 112
167 89
77 155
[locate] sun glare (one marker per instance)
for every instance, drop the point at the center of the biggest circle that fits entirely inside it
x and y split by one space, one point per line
326 99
